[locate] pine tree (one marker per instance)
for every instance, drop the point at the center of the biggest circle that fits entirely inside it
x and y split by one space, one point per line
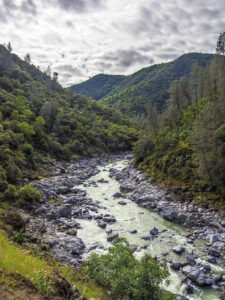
220 48
9 47
27 58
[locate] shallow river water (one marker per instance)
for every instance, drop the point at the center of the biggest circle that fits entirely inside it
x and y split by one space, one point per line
132 216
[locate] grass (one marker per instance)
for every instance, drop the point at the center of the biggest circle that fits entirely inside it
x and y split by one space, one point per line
87 288
14 259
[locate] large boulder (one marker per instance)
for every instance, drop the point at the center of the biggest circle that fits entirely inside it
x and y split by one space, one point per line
65 211
127 188
197 276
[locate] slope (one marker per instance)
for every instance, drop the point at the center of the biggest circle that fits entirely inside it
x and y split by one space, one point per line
131 93
40 120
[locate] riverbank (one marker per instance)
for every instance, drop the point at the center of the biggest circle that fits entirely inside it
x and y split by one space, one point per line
86 206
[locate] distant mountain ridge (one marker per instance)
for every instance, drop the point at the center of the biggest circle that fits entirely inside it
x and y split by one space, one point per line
130 93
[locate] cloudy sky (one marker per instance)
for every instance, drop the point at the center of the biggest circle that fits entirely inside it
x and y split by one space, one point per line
81 38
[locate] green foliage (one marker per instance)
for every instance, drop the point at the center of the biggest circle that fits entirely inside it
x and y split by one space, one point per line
28 194
3 182
10 194
130 94
40 119
189 149
15 260
18 237
13 172
124 276
43 283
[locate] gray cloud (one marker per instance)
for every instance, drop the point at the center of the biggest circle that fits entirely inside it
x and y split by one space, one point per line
80 38
29 7
79 5
68 69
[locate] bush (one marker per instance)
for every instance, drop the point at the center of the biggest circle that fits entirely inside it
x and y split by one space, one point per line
13 172
28 194
3 182
126 277
28 149
10 194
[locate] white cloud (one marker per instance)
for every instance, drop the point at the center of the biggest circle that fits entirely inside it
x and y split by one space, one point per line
81 38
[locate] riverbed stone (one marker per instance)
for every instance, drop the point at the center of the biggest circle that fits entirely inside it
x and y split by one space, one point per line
179 250
122 202
65 211
112 236
197 276
127 187
117 195
154 231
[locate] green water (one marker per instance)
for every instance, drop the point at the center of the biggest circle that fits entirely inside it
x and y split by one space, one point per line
130 217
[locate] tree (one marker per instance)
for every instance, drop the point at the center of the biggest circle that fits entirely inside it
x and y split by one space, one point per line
27 58
48 70
126 277
9 47
55 76
220 48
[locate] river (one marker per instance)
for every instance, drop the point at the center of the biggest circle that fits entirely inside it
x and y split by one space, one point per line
133 217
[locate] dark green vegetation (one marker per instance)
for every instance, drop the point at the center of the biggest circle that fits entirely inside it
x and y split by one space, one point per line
39 120
130 93
98 86
126 277
185 147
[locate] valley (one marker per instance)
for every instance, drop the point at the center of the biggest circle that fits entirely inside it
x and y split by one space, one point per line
99 199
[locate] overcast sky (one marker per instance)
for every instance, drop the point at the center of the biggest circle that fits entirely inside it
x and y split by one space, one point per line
81 38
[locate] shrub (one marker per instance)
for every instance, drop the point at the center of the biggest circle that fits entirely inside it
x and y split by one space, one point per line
28 194
13 172
28 149
3 182
126 277
18 237
11 193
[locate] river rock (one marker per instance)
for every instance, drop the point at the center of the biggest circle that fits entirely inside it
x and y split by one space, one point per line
102 225
147 238
175 266
154 231
122 203
71 231
179 250
117 195
127 187
189 289
214 252
214 238
197 276
62 190
65 211
112 236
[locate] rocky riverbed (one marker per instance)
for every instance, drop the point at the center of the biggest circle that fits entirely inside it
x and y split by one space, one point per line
86 206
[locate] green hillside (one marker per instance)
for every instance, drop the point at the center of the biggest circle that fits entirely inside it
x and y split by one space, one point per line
185 148
98 86
40 120
130 93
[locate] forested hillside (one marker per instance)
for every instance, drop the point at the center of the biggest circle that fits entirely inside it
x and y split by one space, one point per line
185 147
130 93
39 119
98 86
